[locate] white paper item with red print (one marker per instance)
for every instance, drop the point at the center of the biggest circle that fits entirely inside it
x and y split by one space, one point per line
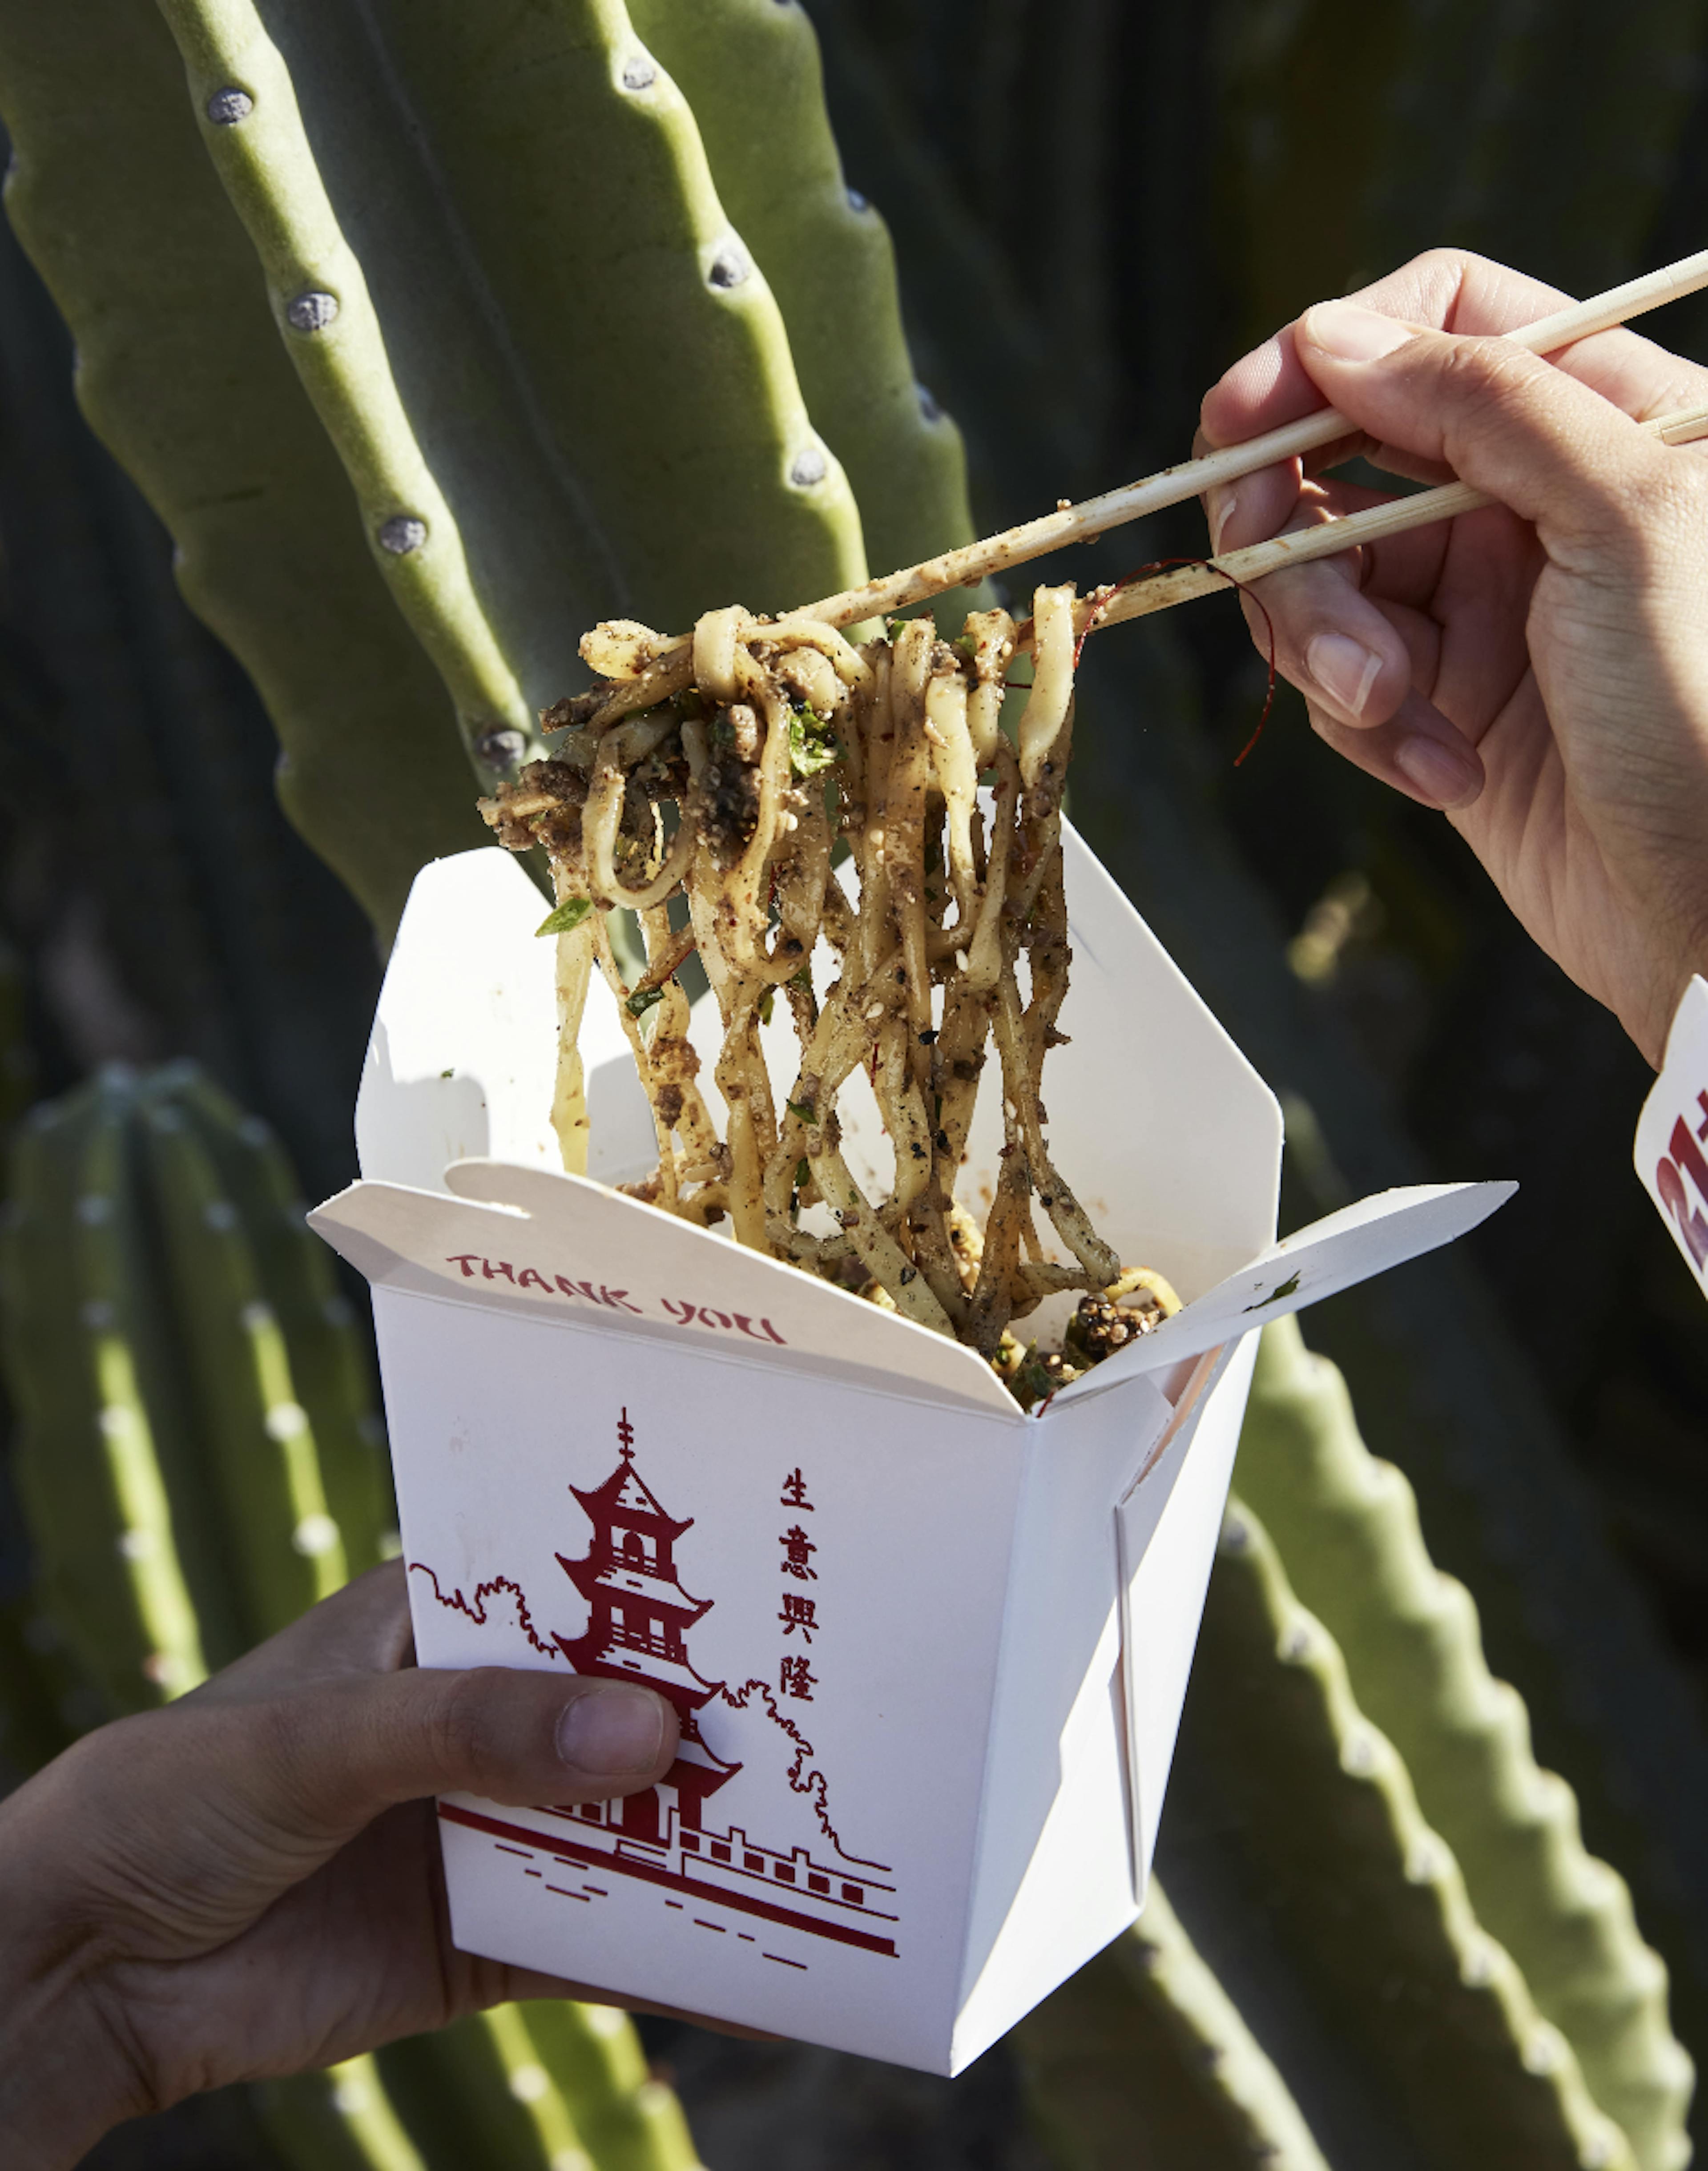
1671 1151
927 1653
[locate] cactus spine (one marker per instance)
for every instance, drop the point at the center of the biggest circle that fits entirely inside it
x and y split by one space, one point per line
1346 1525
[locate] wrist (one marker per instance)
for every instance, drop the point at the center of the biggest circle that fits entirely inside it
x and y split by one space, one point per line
65 2077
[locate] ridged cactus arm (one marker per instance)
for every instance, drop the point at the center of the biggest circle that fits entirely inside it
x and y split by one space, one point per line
256 1440
648 342
195 1464
183 375
340 2120
86 1457
253 129
332 1380
1346 1524
1366 1899
629 2121
828 257
1144 2058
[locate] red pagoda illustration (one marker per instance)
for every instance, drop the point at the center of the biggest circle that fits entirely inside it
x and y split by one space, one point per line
639 1618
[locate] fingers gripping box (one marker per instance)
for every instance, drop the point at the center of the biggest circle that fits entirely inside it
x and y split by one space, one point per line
929 1654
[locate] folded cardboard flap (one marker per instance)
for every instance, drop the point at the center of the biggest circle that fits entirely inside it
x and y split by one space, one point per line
1319 1261
538 1243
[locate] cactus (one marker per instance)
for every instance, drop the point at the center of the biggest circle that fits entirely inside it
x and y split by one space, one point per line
523 449
537 2088
1346 1526
169 1318
1368 1899
1142 2057
339 2121
820 245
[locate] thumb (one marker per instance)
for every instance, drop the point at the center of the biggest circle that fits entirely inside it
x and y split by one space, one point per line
332 1758
1502 418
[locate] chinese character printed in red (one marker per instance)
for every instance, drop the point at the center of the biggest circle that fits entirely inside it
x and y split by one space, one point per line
795 1491
798 1680
799 1613
798 1550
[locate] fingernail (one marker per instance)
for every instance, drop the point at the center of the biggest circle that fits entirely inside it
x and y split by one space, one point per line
1442 776
1352 334
611 1731
1220 508
1344 668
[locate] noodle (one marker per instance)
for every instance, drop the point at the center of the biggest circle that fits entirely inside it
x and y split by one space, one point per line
721 775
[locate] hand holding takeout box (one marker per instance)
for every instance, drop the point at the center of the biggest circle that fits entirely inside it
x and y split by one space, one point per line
928 1651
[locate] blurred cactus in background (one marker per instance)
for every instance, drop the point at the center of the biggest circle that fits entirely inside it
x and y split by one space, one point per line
433 334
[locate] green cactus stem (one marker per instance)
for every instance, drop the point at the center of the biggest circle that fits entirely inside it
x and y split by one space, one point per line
1144 2058
182 373
828 258
536 2087
341 2119
1346 1525
629 2121
85 1460
170 1324
1365 1899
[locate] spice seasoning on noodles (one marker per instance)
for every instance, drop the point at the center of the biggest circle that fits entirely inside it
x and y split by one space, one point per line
729 776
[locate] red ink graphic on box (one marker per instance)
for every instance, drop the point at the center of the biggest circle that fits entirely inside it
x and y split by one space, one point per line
639 1618
1684 1159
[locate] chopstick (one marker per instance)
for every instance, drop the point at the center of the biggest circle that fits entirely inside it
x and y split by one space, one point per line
1181 584
1096 516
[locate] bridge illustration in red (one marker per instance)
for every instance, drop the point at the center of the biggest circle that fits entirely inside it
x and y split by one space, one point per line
638 1620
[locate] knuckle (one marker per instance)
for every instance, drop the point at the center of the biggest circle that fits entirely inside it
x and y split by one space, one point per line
457 1722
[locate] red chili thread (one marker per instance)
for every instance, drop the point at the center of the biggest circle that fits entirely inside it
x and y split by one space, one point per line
1100 598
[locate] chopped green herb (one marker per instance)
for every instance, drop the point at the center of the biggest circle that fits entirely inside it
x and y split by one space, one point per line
566 919
812 743
804 1109
964 646
802 979
1286 1289
766 1001
803 1171
642 1001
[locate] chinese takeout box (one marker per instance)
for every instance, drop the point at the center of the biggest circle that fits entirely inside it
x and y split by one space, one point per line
928 1652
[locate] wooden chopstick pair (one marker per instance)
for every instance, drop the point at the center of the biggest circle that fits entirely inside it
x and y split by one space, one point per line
669 670
1096 516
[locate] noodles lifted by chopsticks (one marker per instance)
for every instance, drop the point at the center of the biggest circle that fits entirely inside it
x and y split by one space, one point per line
726 776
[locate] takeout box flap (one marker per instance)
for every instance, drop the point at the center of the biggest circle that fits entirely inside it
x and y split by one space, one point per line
541 1244
1319 1261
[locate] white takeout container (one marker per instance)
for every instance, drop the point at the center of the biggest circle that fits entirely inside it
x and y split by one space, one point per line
930 1653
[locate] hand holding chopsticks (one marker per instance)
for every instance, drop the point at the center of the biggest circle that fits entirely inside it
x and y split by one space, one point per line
1538 669
1097 516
